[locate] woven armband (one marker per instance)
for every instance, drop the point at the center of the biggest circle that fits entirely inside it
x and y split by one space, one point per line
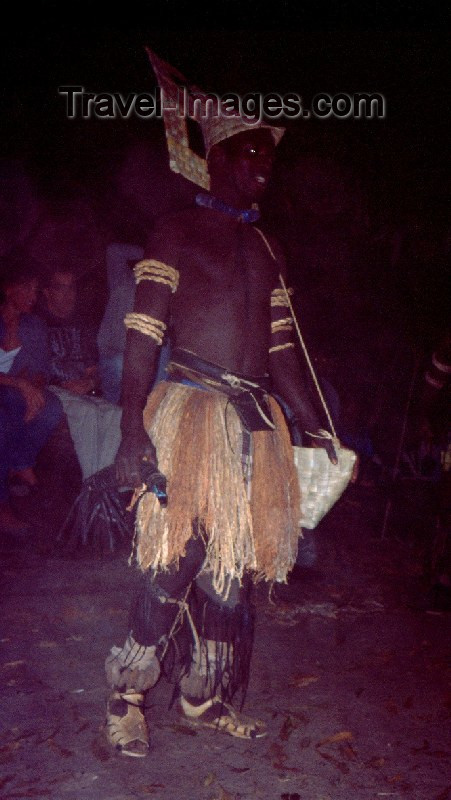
279 297
283 325
150 270
280 325
146 325
280 347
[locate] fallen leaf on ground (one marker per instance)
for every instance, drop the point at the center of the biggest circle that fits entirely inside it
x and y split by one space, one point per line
100 751
10 664
183 729
223 795
375 762
10 747
34 793
277 755
391 707
384 656
211 777
423 749
287 729
62 751
46 736
343 736
82 727
71 613
336 594
444 795
299 681
44 644
338 764
347 751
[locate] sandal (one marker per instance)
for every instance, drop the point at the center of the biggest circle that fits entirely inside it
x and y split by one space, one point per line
221 716
126 728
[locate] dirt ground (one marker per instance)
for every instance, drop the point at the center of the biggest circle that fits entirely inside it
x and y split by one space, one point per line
349 672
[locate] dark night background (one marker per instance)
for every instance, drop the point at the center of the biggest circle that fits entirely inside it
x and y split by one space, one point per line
361 206
403 155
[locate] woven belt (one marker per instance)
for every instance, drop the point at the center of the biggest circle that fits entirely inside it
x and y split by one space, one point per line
248 395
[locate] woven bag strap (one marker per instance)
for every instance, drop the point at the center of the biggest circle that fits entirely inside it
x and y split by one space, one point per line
301 339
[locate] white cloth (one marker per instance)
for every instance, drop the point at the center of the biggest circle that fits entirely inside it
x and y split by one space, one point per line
94 426
6 359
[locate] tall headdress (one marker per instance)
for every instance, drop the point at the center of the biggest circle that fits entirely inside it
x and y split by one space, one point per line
182 101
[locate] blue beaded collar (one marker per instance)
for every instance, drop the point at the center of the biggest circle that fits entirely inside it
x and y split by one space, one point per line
244 215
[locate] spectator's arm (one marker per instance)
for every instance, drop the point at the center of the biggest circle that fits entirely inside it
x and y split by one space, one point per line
89 347
118 258
35 364
32 394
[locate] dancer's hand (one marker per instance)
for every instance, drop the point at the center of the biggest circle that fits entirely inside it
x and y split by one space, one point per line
355 469
327 444
135 448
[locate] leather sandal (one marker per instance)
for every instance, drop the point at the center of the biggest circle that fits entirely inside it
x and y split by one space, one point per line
126 727
214 713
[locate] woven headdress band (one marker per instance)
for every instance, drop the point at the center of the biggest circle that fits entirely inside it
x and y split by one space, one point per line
218 128
182 100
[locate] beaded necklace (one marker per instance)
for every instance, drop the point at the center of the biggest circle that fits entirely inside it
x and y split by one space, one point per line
243 215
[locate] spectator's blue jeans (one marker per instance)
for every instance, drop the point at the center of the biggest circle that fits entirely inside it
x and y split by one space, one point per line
20 441
110 368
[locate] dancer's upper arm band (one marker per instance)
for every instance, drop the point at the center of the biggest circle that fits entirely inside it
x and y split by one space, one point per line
151 270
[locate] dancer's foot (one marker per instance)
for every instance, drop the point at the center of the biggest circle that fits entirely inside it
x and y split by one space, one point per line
126 727
221 716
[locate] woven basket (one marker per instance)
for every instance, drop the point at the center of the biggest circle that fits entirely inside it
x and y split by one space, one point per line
321 483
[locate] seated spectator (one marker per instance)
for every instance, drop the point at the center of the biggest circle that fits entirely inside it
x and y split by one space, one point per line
73 351
28 412
429 460
94 423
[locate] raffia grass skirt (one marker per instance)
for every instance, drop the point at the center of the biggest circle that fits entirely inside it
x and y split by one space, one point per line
197 435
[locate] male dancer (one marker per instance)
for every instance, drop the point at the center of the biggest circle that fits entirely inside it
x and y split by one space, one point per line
218 435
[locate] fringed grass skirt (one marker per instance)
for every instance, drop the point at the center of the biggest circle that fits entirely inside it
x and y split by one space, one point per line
198 438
